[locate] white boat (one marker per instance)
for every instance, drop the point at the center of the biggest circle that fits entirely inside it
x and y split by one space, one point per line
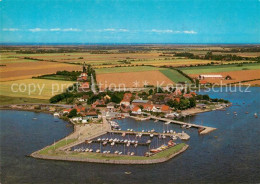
183 126
104 143
255 115
99 139
148 142
125 141
110 140
90 150
113 143
108 151
104 151
128 144
151 135
103 139
174 138
120 153
86 150
136 142
140 135
116 152
135 145
142 130
156 120
133 141
132 154
97 151
163 136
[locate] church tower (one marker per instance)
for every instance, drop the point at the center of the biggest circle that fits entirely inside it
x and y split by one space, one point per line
84 68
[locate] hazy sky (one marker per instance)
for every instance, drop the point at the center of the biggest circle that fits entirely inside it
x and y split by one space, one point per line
130 21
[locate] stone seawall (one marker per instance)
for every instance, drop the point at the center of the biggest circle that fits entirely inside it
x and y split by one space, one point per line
108 161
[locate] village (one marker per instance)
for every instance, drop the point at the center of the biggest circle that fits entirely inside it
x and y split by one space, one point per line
95 113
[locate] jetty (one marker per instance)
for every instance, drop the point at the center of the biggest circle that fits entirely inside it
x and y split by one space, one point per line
204 129
182 136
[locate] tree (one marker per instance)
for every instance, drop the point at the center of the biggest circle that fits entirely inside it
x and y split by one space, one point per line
150 91
192 102
184 104
72 113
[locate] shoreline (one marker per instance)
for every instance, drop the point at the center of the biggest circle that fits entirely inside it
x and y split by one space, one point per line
107 160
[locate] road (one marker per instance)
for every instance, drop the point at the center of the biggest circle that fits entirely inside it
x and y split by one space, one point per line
93 86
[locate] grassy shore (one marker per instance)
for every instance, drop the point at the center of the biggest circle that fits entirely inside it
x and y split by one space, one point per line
164 154
7 100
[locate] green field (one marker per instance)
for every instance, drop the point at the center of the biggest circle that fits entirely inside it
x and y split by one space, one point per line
125 69
6 100
220 68
174 75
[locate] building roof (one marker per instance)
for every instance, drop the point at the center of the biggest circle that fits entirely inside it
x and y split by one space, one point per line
136 108
165 108
139 101
85 85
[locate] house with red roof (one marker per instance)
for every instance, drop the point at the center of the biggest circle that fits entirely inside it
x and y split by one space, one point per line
126 99
136 110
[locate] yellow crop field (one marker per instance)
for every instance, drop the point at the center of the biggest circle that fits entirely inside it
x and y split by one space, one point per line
33 88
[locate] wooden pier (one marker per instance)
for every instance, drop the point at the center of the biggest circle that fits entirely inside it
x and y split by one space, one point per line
205 129
182 136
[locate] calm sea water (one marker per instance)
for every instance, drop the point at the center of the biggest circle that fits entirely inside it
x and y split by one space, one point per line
231 154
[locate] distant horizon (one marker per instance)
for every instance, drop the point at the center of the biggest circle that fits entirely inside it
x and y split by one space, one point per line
100 44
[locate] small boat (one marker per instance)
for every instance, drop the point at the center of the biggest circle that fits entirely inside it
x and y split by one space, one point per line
163 136
151 135
255 115
97 151
174 138
116 152
34 118
154 150
113 143
128 144
105 143
183 126
108 152
106 139
133 141
120 153
125 141
142 130
86 150
104 151
156 120
148 142
103 139
110 140
188 126
127 172
90 150
135 145
228 113
132 154
136 142
123 134
99 139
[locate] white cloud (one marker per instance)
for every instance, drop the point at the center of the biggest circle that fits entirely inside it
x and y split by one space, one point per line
37 30
110 29
55 29
162 31
171 31
71 29
10 29
190 32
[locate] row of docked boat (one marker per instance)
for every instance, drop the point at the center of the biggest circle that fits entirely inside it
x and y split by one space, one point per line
169 132
83 150
116 140
114 125
162 147
186 126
